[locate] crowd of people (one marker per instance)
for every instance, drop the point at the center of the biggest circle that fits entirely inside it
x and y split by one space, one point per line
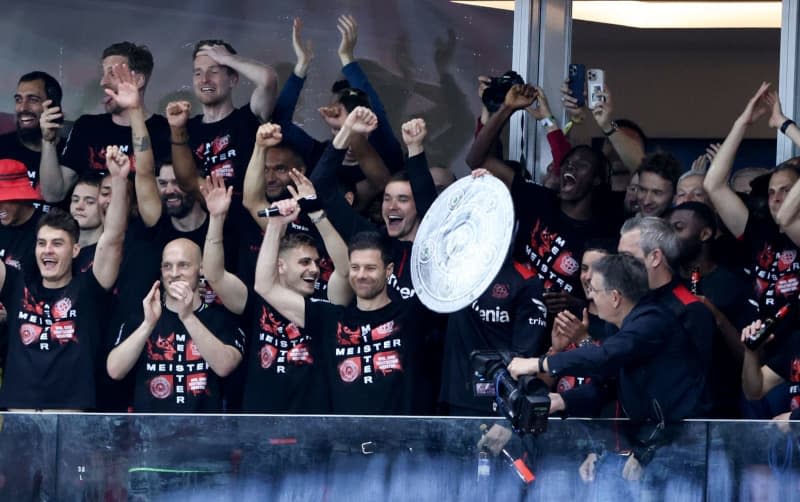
223 259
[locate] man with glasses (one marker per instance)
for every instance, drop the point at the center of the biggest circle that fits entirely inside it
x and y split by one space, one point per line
654 381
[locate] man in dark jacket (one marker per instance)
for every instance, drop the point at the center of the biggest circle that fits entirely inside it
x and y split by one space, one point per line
648 352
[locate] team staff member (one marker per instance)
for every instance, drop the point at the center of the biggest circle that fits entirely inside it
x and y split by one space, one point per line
181 351
647 352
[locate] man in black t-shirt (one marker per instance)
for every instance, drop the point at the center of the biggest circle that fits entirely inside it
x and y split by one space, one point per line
774 257
553 227
123 62
220 140
373 347
509 316
179 351
86 210
54 336
34 90
285 363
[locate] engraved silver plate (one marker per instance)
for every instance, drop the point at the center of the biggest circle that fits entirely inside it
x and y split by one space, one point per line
461 243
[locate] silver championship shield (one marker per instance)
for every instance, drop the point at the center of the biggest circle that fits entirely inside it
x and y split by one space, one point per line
461 243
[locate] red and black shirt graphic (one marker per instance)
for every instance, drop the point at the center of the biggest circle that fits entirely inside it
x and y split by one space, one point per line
775 267
284 369
85 149
171 374
53 334
224 147
373 357
548 242
786 363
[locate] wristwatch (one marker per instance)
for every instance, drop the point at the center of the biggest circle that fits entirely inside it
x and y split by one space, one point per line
613 129
548 121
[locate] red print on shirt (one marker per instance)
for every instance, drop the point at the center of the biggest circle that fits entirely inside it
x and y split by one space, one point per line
163 349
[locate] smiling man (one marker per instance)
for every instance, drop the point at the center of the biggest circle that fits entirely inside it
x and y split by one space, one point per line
55 336
25 143
220 139
182 347
122 63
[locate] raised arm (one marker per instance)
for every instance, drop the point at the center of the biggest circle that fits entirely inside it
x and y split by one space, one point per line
229 288
376 173
108 254
55 180
127 97
254 194
383 139
480 153
290 92
221 358
626 143
287 302
419 176
263 77
339 290
182 157
123 357
731 209
779 121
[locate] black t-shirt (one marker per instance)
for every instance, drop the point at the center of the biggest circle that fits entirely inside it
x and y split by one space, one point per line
551 244
18 244
774 264
372 357
85 150
83 263
225 146
140 268
53 337
399 283
171 374
509 316
786 363
285 366
12 148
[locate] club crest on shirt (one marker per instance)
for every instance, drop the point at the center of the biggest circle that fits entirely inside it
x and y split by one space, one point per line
500 291
350 369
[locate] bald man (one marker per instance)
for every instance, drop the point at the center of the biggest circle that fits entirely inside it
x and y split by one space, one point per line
182 347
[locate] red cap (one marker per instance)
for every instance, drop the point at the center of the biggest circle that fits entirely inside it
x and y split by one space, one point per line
14 184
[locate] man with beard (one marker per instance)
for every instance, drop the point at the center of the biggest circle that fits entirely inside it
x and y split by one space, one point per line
727 296
220 140
553 227
35 90
373 348
123 63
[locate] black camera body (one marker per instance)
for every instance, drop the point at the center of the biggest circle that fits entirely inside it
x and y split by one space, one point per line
495 92
526 403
